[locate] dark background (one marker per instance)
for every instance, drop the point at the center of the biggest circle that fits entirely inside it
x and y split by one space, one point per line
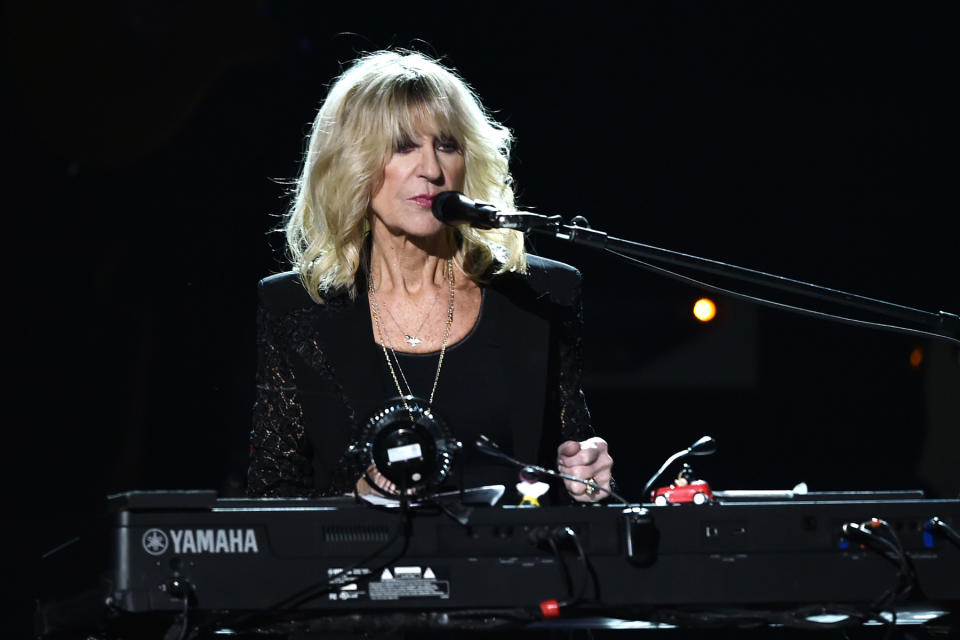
146 145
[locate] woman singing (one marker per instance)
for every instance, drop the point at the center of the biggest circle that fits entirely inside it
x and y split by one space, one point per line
385 301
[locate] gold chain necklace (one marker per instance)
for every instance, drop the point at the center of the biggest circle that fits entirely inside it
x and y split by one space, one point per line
384 344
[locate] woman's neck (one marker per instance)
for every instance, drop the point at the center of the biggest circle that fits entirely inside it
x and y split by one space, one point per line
401 265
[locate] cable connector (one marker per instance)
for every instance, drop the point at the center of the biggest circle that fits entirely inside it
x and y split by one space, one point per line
937 526
859 533
550 609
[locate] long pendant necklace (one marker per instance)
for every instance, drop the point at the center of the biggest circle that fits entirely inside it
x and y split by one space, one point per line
411 338
384 344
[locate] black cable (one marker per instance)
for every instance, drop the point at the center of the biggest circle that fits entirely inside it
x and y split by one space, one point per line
314 591
186 619
869 532
909 574
183 619
553 538
890 595
489 447
582 556
575 596
564 569
324 586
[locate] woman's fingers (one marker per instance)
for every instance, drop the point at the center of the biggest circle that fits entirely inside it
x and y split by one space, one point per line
381 481
588 460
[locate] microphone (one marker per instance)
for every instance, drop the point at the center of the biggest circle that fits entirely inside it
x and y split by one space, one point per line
453 208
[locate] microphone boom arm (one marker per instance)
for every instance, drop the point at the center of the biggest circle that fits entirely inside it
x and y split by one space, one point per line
453 208
942 325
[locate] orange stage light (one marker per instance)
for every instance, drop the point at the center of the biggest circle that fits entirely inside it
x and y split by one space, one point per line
704 310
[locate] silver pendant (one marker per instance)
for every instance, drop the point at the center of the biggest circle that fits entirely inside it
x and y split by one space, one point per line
412 340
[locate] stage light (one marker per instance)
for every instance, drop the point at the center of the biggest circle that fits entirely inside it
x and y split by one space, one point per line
704 309
916 357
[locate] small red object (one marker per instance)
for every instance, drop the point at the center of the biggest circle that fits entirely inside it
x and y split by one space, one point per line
697 492
684 489
550 609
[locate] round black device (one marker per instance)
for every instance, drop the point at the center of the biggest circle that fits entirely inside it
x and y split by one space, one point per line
410 446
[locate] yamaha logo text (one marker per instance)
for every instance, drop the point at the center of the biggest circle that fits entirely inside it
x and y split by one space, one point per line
156 542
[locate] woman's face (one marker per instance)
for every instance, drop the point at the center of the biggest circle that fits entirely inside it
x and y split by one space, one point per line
417 171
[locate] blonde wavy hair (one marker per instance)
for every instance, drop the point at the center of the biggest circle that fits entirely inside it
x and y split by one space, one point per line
380 101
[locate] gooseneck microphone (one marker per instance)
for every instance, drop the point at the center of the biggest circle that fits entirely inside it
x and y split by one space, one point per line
485 445
454 208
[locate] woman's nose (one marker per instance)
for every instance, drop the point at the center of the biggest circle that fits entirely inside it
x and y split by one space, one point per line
430 164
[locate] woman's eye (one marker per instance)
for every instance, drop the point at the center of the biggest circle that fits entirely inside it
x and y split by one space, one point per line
405 146
450 145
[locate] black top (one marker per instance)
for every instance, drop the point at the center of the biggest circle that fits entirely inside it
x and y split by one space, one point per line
515 377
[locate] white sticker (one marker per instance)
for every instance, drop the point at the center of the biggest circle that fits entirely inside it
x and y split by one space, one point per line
407 452
410 588
407 572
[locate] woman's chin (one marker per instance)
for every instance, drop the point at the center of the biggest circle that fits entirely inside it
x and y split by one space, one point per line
421 230
437 232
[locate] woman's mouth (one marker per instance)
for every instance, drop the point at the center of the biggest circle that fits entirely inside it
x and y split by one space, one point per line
424 200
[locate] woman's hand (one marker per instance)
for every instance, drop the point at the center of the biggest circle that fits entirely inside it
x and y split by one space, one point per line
363 487
589 460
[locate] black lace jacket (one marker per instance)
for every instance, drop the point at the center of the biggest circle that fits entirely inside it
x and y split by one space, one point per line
320 376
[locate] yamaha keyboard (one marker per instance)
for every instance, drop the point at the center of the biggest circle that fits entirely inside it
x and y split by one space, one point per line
165 553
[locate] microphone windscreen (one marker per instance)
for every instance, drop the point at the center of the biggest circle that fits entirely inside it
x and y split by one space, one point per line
447 207
453 208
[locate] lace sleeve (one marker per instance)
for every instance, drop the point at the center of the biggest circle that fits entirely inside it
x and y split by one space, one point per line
575 421
279 451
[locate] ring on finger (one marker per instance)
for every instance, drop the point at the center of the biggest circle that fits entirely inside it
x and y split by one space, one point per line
591 490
